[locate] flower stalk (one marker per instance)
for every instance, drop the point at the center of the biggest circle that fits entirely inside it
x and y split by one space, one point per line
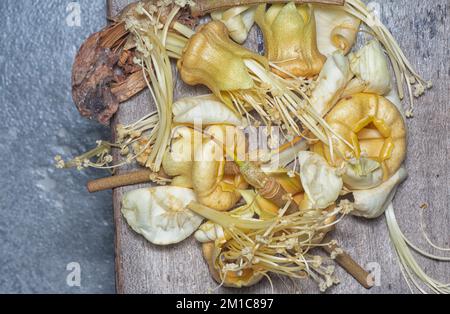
280 245
350 266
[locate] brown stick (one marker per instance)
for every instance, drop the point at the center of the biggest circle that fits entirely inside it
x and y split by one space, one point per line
109 183
350 266
139 177
274 192
266 186
204 7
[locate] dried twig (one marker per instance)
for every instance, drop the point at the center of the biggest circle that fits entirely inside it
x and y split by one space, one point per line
349 265
109 183
139 177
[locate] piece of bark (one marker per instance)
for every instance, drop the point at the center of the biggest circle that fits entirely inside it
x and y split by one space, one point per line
132 85
132 178
92 74
104 74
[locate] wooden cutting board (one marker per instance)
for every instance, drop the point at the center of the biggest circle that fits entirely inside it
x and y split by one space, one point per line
421 28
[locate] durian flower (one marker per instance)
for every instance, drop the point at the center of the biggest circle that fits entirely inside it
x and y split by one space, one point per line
212 59
337 29
160 214
371 69
243 81
212 186
371 127
179 157
238 20
290 38
332 82
320 181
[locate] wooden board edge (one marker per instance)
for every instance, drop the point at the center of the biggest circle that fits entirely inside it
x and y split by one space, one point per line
116 208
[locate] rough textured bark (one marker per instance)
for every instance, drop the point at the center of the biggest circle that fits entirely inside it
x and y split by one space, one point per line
93 72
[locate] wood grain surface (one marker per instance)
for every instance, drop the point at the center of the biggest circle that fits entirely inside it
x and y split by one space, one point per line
422 28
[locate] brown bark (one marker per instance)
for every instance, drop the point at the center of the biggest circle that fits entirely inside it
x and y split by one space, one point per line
91 76
104 73
133 85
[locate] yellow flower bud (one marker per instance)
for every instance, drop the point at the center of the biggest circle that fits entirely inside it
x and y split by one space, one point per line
290 38
211 58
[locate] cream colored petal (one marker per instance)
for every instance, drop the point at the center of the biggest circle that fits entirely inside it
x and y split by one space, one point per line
373 203
209 232
320 181
249 18
371 69
331 83
212 187
336 29
205 109
178 159
160 214
371 176
238 20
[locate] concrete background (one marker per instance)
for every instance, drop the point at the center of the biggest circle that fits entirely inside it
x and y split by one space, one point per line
47 218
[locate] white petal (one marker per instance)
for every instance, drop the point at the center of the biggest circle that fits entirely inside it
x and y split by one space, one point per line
336 29
331 83
238 20
206 109
209 232
373 203
371 68
372 176
160 214
321 183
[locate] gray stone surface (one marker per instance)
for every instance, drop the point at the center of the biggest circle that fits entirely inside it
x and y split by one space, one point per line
47 219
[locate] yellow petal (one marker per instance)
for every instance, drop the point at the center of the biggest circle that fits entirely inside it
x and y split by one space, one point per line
290 38
212 59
